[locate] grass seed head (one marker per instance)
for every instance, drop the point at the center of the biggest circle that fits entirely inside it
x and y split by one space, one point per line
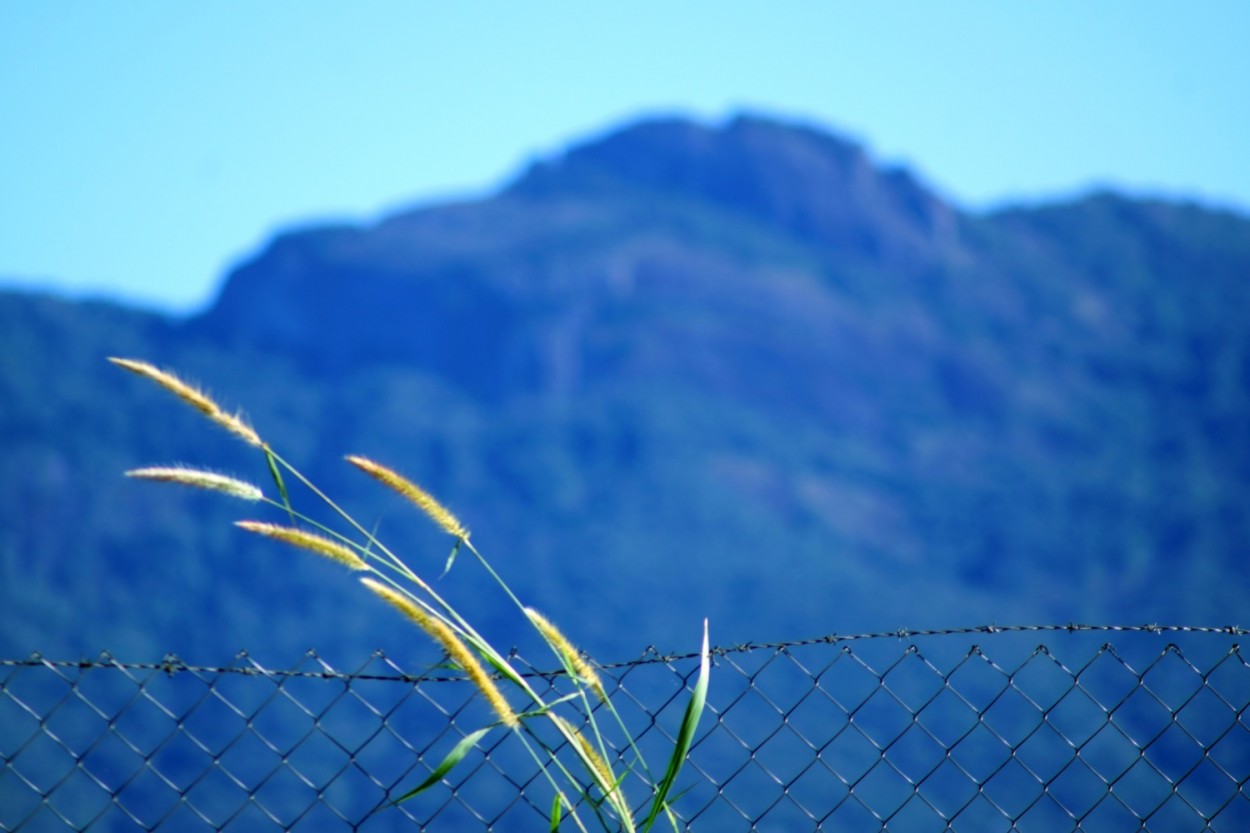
307 541
442 633
199 480
595 763
194 397
568 651
413 492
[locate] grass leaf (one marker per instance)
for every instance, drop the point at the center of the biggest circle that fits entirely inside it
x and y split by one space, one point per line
276 474
451 559
455 756
556 806
685 735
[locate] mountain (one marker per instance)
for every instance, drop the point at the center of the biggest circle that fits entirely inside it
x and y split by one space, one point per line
681 370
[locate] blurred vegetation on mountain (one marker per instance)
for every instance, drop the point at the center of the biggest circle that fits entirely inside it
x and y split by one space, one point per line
738 371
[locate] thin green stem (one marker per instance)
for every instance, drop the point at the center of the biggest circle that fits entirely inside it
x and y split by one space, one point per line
448 613
543 766
589 712
346 516
498 578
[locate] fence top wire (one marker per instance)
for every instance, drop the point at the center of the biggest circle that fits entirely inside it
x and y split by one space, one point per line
896 730
247 665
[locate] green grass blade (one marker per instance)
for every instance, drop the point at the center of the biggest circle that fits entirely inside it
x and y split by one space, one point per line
542 710
556 806
685 735
455 756
276 474
451 559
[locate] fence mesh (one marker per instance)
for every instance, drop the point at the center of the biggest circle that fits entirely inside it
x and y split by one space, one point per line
986 729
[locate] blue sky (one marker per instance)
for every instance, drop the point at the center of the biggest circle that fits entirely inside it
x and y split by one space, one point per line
147 146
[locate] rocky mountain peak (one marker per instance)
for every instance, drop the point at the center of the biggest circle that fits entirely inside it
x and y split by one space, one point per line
819 186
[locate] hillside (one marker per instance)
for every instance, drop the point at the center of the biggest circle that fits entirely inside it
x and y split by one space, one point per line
737 370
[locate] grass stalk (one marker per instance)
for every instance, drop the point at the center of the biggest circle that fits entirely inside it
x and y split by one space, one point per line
389 578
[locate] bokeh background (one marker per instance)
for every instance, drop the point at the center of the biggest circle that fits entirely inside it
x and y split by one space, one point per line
810 319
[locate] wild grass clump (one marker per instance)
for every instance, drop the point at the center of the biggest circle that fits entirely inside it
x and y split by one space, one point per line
620 792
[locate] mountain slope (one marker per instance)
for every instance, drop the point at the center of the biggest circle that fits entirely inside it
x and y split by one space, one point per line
679 370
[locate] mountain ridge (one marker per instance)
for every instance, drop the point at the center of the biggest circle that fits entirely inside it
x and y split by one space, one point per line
449 243
794 403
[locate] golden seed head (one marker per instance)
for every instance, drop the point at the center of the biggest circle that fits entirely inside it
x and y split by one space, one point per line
191 395
442 633
568 651
308 541
235 424
593 761
398 600
414 493
194 397
200 480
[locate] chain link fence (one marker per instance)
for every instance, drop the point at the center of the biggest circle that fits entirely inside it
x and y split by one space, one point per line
983 729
